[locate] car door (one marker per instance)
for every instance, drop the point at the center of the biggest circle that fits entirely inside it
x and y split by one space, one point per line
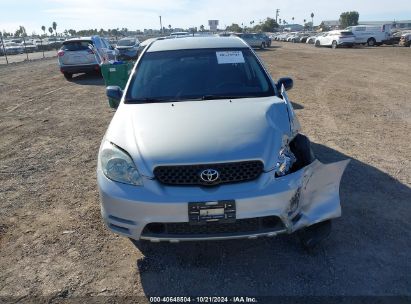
360 36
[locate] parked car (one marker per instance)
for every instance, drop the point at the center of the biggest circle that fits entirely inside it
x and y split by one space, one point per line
30 47
224 159
371 35
81 55
311 39
336 39
405 39
266 38
304 37
179 34
111 52
13 48
145 43
253 40
128 48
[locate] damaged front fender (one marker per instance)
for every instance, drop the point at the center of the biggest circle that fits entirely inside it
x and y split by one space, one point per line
318 198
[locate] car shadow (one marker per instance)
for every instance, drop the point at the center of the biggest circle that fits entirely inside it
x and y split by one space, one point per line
365 254
297 106
88 79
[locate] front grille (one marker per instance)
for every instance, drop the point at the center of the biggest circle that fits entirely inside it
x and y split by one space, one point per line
190 175
241 226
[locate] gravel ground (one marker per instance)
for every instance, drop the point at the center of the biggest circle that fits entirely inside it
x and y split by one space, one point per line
31 56
352 103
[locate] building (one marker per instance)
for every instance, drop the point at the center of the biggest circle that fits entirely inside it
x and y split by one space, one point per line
213 25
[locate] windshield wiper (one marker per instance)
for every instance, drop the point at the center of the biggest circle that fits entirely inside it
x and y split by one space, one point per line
148 100
214 97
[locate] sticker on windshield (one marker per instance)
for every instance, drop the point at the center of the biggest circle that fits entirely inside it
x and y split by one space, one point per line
230 57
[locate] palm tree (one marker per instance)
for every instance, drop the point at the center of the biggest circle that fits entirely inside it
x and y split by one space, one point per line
312 21
202 28
169 27
51 30
43 28
55 27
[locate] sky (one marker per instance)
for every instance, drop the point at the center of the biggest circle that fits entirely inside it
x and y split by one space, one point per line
144 14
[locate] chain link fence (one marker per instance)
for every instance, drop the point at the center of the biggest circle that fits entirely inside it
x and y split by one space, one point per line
23 49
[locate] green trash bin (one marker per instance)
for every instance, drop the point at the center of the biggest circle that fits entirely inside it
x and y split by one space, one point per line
116 74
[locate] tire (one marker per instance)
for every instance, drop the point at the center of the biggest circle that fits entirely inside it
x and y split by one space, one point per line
68 76
371 42
317 43
334 45
262 46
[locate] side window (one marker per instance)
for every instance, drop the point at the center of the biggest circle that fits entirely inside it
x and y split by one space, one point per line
97 43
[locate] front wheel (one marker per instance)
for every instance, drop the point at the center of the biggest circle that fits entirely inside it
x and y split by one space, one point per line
68 76
371 42
334 45
262 46
317 43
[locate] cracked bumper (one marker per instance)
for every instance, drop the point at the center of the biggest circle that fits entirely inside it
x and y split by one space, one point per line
300 199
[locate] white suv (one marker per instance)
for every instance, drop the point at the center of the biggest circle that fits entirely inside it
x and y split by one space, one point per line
336 39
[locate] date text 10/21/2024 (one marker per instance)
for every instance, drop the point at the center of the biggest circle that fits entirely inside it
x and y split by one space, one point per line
239 299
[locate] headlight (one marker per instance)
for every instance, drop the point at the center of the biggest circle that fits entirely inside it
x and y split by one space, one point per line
118 166
286 159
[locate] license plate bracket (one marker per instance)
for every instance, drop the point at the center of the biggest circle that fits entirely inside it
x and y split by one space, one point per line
200 213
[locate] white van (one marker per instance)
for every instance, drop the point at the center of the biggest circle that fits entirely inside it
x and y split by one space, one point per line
371 35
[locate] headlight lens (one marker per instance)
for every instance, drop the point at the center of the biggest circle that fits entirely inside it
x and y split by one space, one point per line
118 166
286 159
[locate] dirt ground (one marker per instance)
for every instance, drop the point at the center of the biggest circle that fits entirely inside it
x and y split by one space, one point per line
352 103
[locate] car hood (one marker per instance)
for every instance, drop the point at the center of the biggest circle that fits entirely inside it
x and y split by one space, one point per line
201 132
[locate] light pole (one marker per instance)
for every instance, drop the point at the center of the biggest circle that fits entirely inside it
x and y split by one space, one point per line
161 26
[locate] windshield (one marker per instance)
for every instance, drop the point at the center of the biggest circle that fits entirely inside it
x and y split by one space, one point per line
76 45
198 74
126 42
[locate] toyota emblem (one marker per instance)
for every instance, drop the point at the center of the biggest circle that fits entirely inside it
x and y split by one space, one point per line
209 175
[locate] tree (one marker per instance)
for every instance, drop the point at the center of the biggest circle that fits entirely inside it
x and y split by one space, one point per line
324 28
269 25
202 28
21 32
55 27
292 19
43 28
312 20
349 19
51 30
234 28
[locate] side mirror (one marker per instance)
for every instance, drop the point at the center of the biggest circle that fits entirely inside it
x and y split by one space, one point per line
114 94
287 82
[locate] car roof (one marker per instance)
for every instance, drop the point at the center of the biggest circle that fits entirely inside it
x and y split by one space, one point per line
196 43
79 39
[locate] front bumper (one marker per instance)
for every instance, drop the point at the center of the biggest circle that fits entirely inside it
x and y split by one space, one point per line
300 199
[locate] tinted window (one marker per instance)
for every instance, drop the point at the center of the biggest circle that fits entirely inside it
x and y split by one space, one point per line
76 45
97 42
346 34
193 74
126 42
